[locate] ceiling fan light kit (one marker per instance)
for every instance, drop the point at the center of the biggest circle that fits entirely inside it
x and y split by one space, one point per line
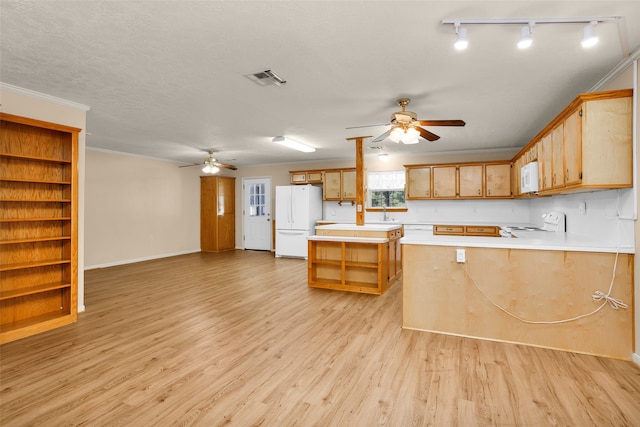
589 37
295 145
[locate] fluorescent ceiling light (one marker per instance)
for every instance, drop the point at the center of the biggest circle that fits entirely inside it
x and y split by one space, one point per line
290 143
589 37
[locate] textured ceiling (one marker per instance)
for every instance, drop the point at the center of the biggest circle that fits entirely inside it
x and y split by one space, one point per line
165 79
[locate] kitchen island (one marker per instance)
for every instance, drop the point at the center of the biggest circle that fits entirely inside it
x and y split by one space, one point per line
535 289
355 258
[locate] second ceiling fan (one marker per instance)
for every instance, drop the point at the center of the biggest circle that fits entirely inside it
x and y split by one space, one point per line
406 128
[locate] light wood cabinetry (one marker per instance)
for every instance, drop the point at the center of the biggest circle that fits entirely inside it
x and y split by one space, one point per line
467 230
528 284
459 181
418 181
445 182
217 213
306 177
588 146
340 184
38 226
470 181
497 180
366 261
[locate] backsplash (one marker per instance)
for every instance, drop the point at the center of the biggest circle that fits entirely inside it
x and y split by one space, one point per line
589 214
592 214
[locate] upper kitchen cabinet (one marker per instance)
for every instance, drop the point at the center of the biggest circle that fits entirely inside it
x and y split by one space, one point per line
306 177
497 180
602 142
470 181
459 181
340 184
445 181
418 180
588 146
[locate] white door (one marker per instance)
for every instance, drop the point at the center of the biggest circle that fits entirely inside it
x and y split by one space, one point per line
257 213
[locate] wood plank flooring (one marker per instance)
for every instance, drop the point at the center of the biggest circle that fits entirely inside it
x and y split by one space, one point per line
237 338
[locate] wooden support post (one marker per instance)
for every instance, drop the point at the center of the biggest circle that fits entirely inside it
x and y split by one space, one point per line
359 179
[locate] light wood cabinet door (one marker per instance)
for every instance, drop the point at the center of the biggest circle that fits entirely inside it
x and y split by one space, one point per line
348 185
445 182
332 185
607 143
557 147
470 181
573 148
498 180
298 178
217 213
546 162
419 183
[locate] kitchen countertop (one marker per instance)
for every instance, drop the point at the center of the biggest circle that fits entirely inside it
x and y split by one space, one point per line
381 226
348 239
532 240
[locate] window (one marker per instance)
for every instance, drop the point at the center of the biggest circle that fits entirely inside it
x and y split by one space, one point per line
386 189
257 205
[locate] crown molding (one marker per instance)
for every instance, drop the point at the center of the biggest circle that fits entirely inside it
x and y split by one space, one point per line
44 97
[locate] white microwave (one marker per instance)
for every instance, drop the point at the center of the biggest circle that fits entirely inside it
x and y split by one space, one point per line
529 178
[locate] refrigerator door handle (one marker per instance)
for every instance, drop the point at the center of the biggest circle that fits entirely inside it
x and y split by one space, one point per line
292 232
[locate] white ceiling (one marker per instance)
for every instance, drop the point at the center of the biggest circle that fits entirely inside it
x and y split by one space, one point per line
165 78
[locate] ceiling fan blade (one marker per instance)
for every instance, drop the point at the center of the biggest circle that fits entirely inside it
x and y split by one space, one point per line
188 166
222 165
442 122
427 135
381 137
367 126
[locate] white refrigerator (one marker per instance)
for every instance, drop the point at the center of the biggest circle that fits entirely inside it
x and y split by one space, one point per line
298 208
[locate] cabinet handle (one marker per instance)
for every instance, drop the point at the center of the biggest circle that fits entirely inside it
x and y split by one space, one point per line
489 192
338 194
479 192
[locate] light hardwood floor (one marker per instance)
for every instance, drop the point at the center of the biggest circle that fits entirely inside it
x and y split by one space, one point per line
238 338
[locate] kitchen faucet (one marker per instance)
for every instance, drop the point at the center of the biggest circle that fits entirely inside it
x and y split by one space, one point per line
385 217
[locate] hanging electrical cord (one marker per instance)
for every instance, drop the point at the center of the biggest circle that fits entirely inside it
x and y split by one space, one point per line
598 295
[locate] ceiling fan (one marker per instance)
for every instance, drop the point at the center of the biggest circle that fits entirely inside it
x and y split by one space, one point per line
406 128
211 165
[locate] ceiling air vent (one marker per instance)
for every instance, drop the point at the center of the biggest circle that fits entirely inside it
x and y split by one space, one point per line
266 77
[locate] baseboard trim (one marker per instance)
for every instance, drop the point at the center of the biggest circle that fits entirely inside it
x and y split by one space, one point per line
635 357
134 260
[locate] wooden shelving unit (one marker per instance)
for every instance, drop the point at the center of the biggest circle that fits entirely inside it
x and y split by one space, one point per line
38 226
355 266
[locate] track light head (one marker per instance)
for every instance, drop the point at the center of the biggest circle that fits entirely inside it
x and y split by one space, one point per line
461 42
589 37
526 37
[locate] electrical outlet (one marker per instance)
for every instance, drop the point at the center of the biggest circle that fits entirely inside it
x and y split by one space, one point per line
461 255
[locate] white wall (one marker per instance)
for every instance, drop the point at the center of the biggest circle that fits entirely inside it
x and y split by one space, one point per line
26 103
139 208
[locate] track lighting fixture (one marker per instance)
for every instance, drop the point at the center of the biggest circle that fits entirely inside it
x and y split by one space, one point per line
526 37
461 42
526 32
589 37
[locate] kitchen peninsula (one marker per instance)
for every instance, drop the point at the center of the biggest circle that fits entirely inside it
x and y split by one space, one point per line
541 279
355 258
